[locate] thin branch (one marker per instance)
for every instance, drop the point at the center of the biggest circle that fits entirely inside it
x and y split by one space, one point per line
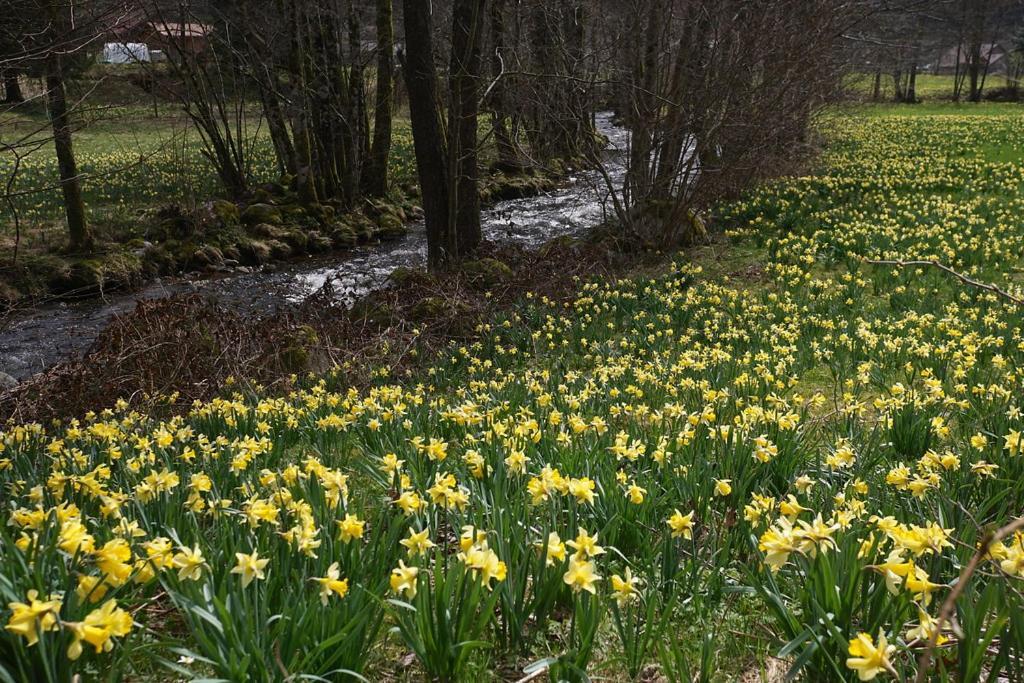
946 612
959 276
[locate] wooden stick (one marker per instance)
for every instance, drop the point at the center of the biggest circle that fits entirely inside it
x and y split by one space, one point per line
946 612
963 278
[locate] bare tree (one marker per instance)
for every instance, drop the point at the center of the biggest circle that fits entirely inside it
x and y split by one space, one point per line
446 160
717 94
376 176
48 38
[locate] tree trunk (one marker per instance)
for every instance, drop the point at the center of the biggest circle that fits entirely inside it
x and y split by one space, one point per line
428 141
286 157
376 179
12 88
974 72
357 143
910 96
298 109
876 89
897 83
81 239
508 155
467 32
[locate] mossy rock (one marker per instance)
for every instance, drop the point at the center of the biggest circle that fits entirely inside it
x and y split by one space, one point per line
171 222
319 242
365 229
261 195
322 213
205 256
372 311
280 250
226 213
294 211
297 239
432 307
556 245
41 272
122 269
9 295
502 187
294 354
261 213
82 278
159 261
232 252
254 252
266 231
390 227
412 277
488 272
343 235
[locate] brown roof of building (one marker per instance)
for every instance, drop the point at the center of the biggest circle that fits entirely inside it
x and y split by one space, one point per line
993 52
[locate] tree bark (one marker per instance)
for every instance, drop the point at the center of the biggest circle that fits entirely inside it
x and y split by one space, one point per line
298 109
467 32
12 88
508 155
428 141
80 236
910 96
377 169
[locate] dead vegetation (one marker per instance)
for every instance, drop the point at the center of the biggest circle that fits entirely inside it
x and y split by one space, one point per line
166 354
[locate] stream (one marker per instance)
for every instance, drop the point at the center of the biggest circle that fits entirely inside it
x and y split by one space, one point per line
34 340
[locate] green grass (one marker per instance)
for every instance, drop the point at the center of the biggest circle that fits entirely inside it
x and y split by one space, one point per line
933 109
132 161
929 87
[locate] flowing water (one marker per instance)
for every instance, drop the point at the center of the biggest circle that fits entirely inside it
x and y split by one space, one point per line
35 340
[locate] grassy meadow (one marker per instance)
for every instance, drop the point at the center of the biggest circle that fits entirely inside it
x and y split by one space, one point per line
132 159
928 87
769 457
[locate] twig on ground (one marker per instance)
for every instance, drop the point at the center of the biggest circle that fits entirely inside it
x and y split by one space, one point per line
946 269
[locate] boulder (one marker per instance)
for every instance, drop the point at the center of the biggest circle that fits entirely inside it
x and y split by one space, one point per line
372 311
7 382
121 269
390 227
319 242
487 271
343 235
226 213
254 252
412 277
82 277
279 249
205 256
255 214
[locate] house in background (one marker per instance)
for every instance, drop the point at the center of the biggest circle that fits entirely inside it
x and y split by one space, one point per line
998 61
161 38
172 38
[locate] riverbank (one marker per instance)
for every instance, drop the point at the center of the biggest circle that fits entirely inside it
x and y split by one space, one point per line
521 212
166 353
221 237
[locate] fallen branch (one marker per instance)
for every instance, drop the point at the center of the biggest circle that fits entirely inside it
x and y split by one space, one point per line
946 611
946 269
